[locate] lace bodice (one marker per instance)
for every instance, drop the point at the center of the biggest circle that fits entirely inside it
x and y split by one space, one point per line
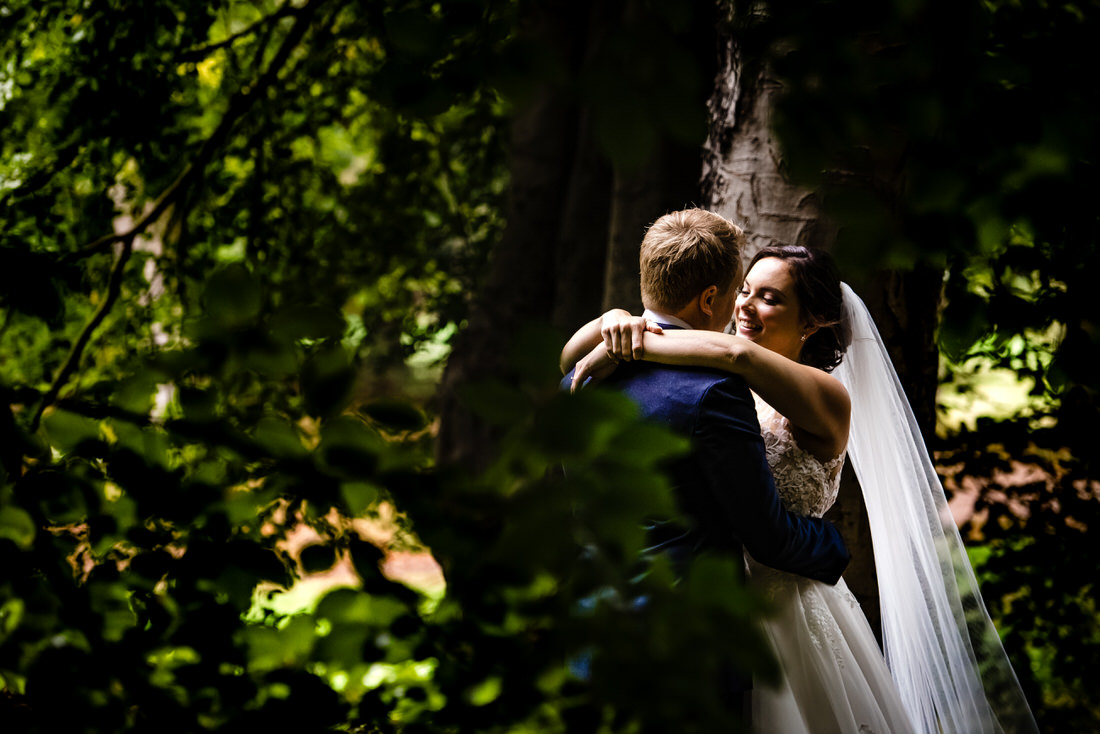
807 485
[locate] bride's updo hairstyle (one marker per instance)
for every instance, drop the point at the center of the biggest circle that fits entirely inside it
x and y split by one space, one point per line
817 282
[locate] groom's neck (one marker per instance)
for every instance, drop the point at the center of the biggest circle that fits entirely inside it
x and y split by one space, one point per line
669 319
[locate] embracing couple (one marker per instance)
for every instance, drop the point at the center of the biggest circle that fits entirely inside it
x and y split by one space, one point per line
772 411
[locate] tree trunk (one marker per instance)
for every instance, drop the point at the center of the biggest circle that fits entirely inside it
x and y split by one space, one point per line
669 183
575 221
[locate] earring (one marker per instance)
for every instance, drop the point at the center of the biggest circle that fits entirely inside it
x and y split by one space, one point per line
803 338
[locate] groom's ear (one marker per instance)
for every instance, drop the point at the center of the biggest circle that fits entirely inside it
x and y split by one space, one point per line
706 300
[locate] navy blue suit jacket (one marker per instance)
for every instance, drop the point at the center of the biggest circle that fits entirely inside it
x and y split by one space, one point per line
724 485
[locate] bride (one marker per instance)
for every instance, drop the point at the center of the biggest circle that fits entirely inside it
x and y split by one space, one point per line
944 669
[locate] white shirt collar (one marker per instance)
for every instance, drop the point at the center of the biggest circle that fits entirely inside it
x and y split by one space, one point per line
662 318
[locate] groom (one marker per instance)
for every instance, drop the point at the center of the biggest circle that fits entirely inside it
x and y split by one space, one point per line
690 275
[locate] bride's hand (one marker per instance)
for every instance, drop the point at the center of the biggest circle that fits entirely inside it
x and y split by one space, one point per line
622 334
597 364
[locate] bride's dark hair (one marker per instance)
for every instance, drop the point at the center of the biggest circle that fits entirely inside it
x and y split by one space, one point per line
817 281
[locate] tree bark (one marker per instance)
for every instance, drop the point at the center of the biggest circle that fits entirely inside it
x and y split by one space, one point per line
669 183
742 176
570 247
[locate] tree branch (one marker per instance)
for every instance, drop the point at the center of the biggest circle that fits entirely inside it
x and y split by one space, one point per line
241 102
201 52
63 158
238 106
114 288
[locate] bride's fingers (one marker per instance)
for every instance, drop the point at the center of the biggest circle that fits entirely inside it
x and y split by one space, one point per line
613 344
580 373
580 376
596 365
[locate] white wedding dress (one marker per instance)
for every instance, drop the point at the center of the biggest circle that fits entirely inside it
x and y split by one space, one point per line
835 679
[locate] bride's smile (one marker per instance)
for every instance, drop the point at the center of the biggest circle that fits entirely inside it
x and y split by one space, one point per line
768 311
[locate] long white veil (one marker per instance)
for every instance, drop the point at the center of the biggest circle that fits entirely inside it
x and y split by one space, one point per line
940 644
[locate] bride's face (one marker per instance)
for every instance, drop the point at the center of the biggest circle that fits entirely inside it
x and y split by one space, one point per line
768 311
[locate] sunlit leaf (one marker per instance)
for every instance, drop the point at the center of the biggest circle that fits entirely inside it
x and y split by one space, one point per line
17 526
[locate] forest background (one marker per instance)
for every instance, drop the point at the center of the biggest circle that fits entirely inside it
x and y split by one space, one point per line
282 287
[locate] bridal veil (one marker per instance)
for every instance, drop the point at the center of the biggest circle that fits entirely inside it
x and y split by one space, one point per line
940 644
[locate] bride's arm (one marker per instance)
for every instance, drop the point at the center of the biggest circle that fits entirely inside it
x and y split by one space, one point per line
815 403
580 344
615 329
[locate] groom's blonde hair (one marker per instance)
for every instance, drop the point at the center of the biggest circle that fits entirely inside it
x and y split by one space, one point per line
684 253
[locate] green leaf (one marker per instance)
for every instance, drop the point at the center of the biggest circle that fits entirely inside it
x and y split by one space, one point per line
279 438
244 506
289 646
11 614
136 393
16 525
485 692
350 606
152 443
66 430
358 496
349 445
345 646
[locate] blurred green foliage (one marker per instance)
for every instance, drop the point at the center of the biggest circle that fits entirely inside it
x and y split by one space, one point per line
135 549
230 235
